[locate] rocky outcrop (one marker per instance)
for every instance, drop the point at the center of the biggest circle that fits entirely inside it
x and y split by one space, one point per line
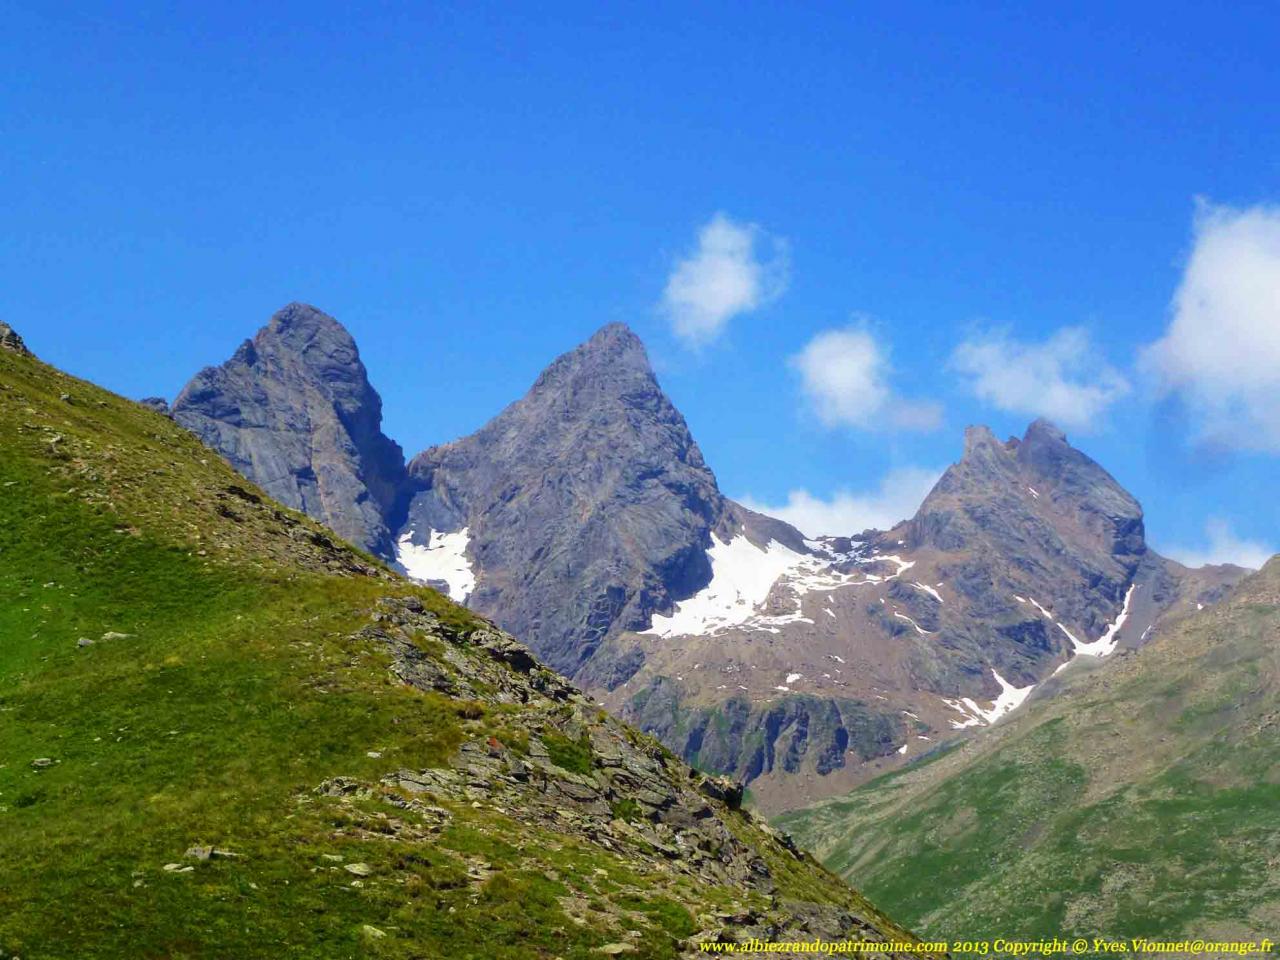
293 411
568 769
9 340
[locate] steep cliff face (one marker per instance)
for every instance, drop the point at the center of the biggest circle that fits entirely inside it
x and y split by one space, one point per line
293 411
586 505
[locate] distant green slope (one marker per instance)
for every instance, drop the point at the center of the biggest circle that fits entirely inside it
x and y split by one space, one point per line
186 665
1142 800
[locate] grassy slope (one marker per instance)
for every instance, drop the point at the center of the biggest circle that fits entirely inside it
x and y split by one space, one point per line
238 690
1143 800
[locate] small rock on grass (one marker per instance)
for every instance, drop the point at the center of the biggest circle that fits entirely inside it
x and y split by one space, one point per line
372 932
359 869
202 853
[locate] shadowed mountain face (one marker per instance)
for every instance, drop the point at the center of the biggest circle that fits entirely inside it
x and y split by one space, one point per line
294 412
586 504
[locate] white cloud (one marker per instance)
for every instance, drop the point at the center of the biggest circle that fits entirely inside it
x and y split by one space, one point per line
845 377
1223 547
724 277
1221 351
899 495
1064 378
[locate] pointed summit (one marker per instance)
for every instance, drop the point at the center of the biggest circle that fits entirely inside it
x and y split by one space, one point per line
293 411
613 358
1044 431
586 504
997 491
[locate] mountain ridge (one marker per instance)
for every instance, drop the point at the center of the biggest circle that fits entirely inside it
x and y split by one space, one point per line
584 518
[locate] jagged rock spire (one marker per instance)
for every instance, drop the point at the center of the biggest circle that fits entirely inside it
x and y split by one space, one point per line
294 411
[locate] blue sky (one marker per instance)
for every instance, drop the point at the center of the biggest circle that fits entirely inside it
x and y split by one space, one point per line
845 231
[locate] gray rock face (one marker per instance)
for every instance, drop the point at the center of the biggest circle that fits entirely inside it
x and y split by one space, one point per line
1033 517
587 502
293 411
158 404
9 340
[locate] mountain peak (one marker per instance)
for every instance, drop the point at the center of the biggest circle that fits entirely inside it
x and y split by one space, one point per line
977 437
294 411
593 466
1001 496
615 333
9 340
613 358
1046 431
302 328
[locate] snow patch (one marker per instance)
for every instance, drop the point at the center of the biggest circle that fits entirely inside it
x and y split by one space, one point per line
1010 699
920 630
927 589
742 577
1105 645
793 677
444 557
1076 642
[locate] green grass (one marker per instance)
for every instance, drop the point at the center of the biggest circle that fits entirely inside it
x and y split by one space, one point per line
572 755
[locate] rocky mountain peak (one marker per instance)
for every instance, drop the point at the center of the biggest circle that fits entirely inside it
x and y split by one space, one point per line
1044 431
587 503
978 438
308 332
9 340
294 411
612 363
1039 475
